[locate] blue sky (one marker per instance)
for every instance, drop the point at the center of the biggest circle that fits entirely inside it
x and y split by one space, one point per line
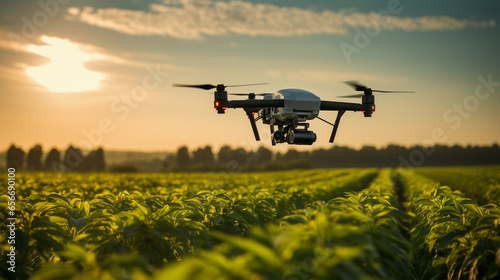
440 49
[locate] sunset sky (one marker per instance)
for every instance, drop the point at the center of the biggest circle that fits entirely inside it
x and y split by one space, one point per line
100 73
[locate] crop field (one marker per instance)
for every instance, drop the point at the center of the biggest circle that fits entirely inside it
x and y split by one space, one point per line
428 223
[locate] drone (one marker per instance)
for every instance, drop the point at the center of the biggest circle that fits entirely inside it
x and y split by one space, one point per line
288 110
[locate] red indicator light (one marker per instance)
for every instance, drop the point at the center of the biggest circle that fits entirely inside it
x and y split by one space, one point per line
217 104
373 108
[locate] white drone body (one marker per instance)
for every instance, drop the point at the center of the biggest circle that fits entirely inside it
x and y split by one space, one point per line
300 105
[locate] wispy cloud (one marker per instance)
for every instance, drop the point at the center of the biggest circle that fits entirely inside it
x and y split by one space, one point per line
196 19
5 44
101 55
325 76
112 65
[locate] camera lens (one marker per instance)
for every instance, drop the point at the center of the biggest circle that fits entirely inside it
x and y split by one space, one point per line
300 137
278 136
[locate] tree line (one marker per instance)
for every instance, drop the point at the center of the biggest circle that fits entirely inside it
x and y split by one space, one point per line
262 159
72 160
229 159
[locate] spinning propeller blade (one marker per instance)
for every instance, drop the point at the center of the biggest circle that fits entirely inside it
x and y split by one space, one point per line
360 87
356 85
205 86
391 91
258 84
209 86
352 96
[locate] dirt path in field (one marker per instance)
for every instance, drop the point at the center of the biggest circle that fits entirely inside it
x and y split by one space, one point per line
400 193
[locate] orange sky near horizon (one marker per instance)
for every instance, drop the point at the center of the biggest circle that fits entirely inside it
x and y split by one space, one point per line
89 79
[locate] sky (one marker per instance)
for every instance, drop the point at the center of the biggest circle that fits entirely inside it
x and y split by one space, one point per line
100 73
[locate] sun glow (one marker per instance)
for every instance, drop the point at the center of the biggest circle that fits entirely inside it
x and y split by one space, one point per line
65 72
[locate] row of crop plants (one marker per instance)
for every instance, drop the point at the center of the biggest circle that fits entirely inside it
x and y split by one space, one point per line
453 237
282 225
159 224
352 237
87 186
359 237
479 183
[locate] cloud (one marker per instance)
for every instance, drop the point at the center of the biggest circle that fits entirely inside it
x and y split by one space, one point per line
186 19
325 76
11 41
5 44
100 60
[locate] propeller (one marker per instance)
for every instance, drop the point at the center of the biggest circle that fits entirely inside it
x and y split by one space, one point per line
360 87
352 96
205 86
209 86
356 85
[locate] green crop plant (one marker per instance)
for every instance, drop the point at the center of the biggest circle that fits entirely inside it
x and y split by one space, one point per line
311 224
480 183
454 237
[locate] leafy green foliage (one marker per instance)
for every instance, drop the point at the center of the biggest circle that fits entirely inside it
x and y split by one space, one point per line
480 183
160 218
311 224
352 237
454 237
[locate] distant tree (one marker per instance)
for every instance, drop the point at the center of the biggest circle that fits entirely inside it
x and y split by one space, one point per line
53 160
495 147
263 155
198 156
240 156
123 168
392 155
98 163
169 161
183 157
34 158
86 164
291 154
73 159
341 156
203 156
493 154
224 155
317 158
164 165
15 157
93 162
368 156
279 156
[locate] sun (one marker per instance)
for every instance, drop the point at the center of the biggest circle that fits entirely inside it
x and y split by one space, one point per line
65 72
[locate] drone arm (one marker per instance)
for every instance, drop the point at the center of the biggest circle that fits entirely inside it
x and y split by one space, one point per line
255 104
338 106
336 125
252 123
